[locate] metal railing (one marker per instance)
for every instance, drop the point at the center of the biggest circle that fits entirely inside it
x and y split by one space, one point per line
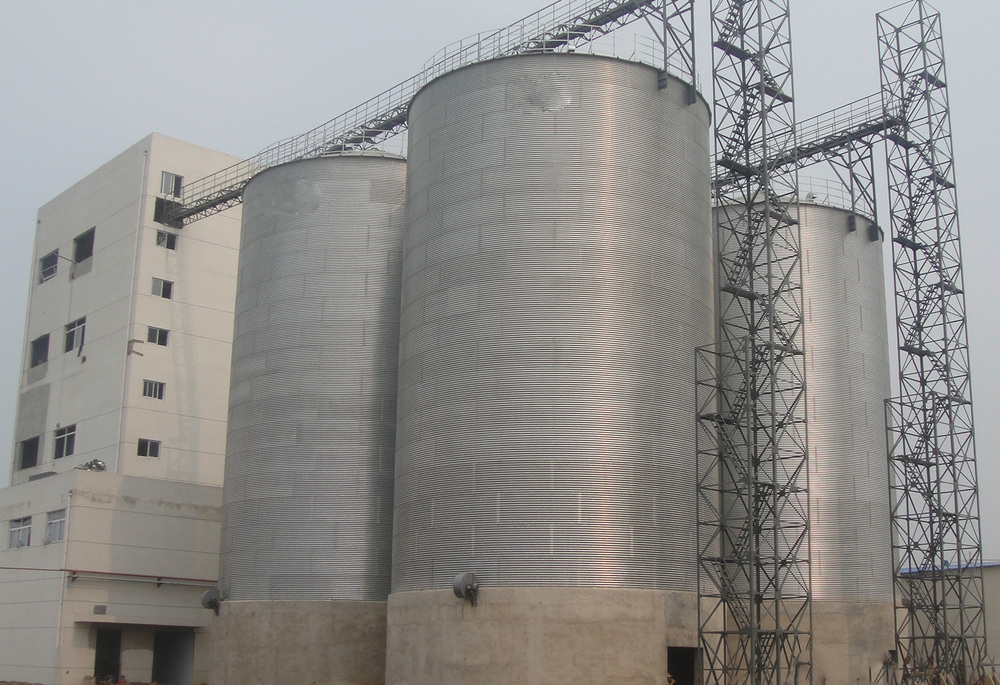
564 25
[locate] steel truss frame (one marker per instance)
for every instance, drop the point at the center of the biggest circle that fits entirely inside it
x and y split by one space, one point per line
561 26
940 627
753 495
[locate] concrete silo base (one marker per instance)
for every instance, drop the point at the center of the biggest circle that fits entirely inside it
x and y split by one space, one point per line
535 636
851 641
299 643
543 636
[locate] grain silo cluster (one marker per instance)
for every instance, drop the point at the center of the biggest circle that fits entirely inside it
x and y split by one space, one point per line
481 360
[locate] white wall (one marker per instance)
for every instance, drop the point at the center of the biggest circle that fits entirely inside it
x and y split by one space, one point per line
99 388
138 552
143 536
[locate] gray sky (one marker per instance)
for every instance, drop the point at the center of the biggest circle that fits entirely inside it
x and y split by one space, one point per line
80 82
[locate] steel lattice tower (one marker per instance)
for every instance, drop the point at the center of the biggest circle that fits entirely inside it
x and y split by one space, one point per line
754 581
937 544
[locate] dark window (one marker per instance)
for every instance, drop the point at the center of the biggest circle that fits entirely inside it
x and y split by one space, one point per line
65 441
29 453
171 184
40 350
153 389
48 265
157 335
167 240
74 334
149 448
20 533
83 246
164 289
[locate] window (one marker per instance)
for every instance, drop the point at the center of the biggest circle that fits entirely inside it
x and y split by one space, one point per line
29 453
55 527
48 265
74 334
167 240
149 448
20 533
39 350
83 246
65 441
170 184
164 289
157 335
153 389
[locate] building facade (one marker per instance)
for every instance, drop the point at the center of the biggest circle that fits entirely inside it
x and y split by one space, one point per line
114 505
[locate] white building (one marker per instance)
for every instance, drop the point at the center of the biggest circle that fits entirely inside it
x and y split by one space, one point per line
113 509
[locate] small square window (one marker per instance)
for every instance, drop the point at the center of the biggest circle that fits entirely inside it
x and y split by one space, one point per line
39 350
65 441
167 240
83 246
74 335
47 266
29 453
20 533
55 527
162 288
171 184
157 335
148 448
153 389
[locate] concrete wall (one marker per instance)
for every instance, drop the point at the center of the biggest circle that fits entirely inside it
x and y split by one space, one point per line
537 636
851 641
299 643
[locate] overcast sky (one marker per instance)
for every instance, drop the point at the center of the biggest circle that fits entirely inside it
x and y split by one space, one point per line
80 82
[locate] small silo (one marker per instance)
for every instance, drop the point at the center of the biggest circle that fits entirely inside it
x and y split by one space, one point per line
557 278
307 513
848 381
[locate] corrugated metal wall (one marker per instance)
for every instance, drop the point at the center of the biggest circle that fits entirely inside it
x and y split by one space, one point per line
848 380
308 489
557 279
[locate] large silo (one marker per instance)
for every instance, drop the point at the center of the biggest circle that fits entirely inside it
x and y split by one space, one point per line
307 513
557 278
848 381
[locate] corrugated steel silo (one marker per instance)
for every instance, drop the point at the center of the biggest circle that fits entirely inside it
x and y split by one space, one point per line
557 277
307 508
848 380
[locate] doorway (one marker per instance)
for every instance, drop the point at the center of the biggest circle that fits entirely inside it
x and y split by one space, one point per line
173 657
682 665
108 654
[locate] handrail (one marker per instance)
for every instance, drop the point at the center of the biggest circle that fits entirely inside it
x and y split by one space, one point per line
562 24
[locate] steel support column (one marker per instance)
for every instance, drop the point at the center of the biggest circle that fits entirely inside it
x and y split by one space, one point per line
940 628
753 520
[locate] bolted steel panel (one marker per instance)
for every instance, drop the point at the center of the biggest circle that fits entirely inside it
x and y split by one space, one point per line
557 278
848 375
307 511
